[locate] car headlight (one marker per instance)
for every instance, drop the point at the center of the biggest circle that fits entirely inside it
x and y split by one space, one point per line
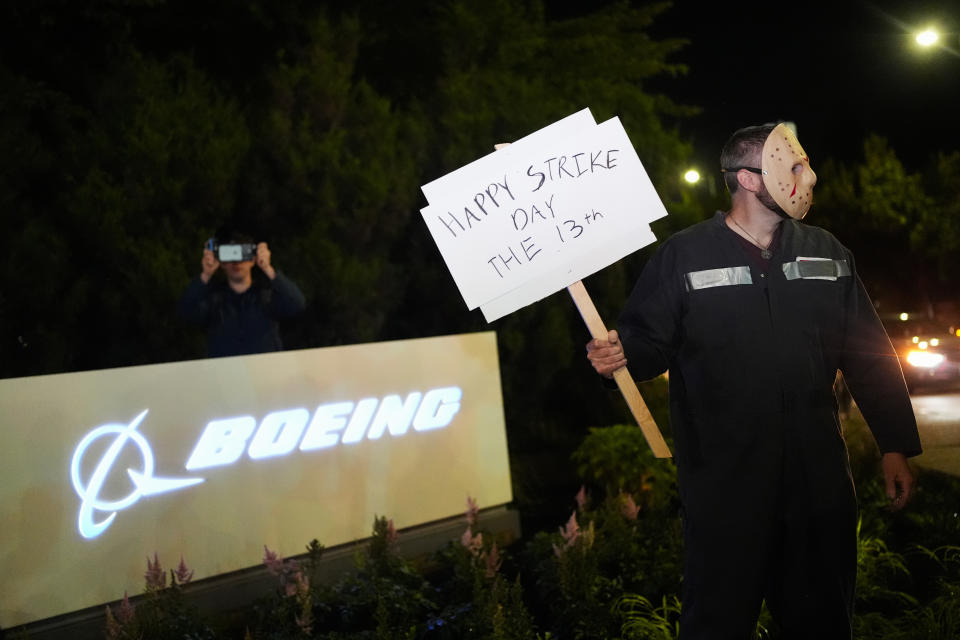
925 359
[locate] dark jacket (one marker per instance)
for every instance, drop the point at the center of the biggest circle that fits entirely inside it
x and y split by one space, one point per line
752 358
241 323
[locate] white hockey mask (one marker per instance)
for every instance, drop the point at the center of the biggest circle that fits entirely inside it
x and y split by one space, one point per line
786 172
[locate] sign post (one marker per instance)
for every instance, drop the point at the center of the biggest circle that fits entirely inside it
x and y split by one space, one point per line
588 311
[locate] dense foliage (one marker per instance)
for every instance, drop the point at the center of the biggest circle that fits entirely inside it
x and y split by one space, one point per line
903 225
612 571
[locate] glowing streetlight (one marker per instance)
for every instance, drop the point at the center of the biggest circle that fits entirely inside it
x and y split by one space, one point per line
904 316
692 176
927 38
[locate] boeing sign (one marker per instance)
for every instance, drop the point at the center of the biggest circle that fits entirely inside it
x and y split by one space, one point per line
211 459
223 442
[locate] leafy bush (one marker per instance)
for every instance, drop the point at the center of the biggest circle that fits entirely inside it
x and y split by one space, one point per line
617 460
611 571
601 555
937 616
161 613
643 621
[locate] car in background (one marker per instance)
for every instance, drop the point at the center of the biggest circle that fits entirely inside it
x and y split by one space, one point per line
929 352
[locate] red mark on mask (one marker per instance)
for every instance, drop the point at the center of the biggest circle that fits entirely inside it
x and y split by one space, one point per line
794 190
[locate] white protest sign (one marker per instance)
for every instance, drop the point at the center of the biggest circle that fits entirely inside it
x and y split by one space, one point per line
614 205
534 217
541 214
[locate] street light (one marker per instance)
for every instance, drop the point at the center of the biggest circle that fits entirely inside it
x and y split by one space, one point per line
692 176
927 38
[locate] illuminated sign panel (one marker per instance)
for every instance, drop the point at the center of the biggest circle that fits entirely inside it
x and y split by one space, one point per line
213 459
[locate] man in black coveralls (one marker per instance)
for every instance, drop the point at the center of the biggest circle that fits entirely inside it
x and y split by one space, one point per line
753 312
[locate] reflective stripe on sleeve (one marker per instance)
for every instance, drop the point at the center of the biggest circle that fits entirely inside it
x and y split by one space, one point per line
816 269
717 278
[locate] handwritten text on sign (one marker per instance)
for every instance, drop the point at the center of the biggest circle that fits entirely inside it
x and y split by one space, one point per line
526 217
538 207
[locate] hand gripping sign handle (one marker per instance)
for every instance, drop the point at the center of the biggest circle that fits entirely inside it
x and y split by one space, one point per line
622 377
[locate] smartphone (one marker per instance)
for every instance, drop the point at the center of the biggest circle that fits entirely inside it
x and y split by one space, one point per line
236 252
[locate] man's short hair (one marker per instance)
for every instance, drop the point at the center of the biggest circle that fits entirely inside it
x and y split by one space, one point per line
742 150
230 234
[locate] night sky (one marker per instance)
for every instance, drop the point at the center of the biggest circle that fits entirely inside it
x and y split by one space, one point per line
839 70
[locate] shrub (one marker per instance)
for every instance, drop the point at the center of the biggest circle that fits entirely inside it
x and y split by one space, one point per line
161 613
618 460
612 570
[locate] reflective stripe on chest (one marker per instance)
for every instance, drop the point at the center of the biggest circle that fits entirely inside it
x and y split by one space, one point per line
717 278
815 269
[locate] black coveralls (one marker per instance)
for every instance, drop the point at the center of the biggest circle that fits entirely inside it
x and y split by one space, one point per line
768 501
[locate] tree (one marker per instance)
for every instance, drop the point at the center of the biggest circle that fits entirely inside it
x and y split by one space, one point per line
333 176
102 255
937 232
896 223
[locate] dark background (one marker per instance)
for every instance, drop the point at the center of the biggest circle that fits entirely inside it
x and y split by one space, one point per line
133 129
839 70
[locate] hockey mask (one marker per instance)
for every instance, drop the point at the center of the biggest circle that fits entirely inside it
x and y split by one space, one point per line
786 172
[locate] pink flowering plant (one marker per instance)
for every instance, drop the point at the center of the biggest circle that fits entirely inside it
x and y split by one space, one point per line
161 612
293 610
155 577
481 601
622 536
120 620
386 597
618 459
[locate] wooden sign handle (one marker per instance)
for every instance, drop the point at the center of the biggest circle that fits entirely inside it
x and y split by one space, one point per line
622 377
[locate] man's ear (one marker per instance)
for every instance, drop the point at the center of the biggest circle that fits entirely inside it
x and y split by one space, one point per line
748 181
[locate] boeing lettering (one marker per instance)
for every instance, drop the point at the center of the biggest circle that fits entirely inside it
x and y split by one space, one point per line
224 441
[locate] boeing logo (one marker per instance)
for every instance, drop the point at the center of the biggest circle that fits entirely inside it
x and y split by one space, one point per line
224 441
144 483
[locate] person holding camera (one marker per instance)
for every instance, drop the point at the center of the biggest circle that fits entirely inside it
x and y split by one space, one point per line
240 312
